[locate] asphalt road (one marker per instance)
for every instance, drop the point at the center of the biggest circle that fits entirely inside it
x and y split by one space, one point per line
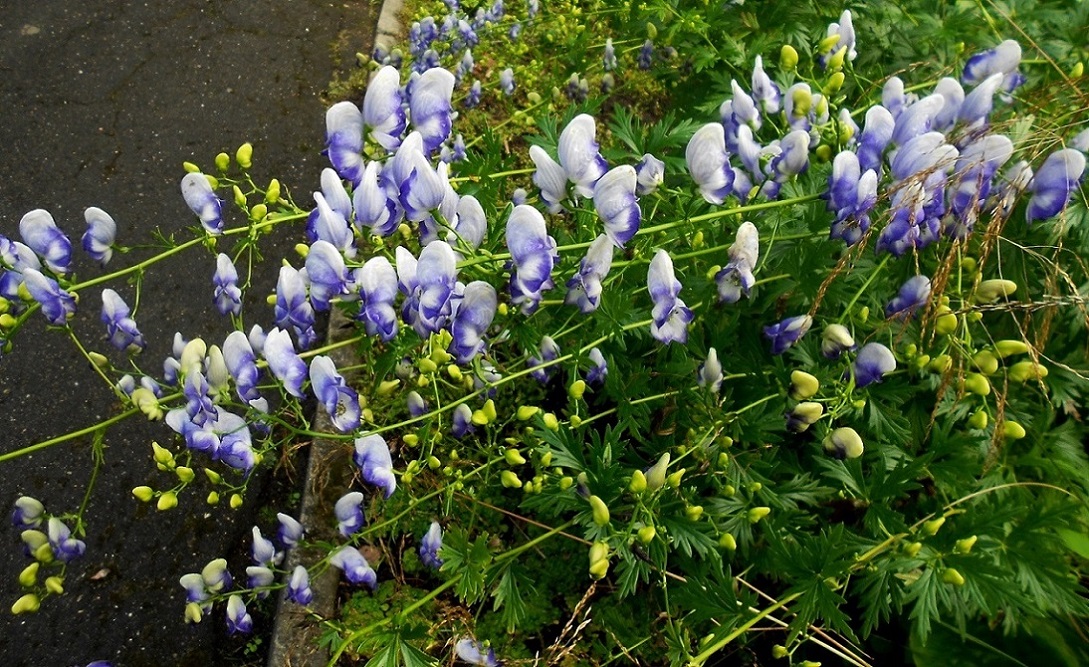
101 101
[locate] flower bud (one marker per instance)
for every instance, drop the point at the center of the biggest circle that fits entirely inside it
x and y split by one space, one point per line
54 585
28 604
193 613
185 474
803 385
803 416
143 493
213 476
577 389
674 480
978 420
244 155
1077 70
940 364
167 501
223 162
985 362
272 192
454 372
236 501
1013 430
600 510
656 476
566 482
213 498
161 454
513 457
29 576
258 212
239 197
835 82
526 412
933 526
638 482
788 58
977 384
779 651
386 388
550 421
835 63
489 410
946 324
727 541
410 439
844 442
652 30
757 513
1023 371
546 459
190 168
510 480
965 546
427 366
646 534
694 512
992 290
828 43
912 550
953 577
599 569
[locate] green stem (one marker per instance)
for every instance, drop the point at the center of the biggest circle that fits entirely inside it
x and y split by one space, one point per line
869 279
69 436
744 627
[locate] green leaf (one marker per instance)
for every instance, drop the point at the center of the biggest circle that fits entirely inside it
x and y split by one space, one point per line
1078 542
508 600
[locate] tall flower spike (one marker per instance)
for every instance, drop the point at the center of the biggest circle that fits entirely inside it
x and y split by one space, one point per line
550 178
430 109
785 334
473 316
579 156
227 296
614 200
383 111
374 461
709 163
1054 184
671 315
101 232
584 288
42 235
120 328
202 200
355 567
349 513
341 402
284 362
430 545
874 361
737 277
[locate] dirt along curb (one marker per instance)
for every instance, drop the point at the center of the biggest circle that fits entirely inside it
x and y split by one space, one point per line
295 634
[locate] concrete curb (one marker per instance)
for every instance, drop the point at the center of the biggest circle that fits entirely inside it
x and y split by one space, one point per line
295 634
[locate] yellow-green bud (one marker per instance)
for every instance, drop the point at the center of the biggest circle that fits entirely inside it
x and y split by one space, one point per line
550 421
410 439
239 198
788 58
145 399
953 577
546 459
223 161
213 476
1007 348
600 510
835 63
656 476
652 30
1013 430
978 420
933 526
502 309
977 384
779 651
167 501
99 360
272 192
533 97
193 613
386 387
646 534
986 362
940 363
844 442
526 412
454 372
638 482
922 361
258 212
1023 371
946 324
213 498
244 155
161 454
185 474
575 421
694 512
143 493
755 487
599 551
29 576
236 501
674 480
803 385
514 458
1077 70
826 44
823 153
863 313
757 513
191 168
566 482
28 604
835 82
44 553
489 410
912 549
803 100
599 569
992 290
433 462
510 480
729 491
965 546
697 239
727 541
577 389
427 366
54 585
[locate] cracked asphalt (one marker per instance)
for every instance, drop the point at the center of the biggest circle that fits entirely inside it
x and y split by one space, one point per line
101 103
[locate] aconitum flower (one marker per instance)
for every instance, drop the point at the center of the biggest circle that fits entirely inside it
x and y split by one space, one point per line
259 576
383 112
736 278
417 406
198 405
355 567
646 55
378 289
913 295
533 254
264 551
284 362
42 235
785 334
599 368
876 135
120 328
476 91
101 232
430 109
373 208
330 224
195 590
423 190
609 60
974 172
874 361
671 315
298 588
472 652
506 81
473 316
1003 59
584 288
202 200
851 195
227 296
765 92
344 139
374 461
844 443
436 277
242 365
1054 184
979 103
289 530
917 119
461 422
28 513
710 372
804 415
349 513
579 156
430 545
709 163
548 351
470 225
238 619
953 93
614 201
65 547
293 307
326 273
845 30
341 402
649 173
550 178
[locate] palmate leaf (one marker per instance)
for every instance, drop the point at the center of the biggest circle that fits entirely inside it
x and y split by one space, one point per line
399 653
468 561
508 598
691 537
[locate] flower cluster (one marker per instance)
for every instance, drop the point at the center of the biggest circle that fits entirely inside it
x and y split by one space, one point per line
49 543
